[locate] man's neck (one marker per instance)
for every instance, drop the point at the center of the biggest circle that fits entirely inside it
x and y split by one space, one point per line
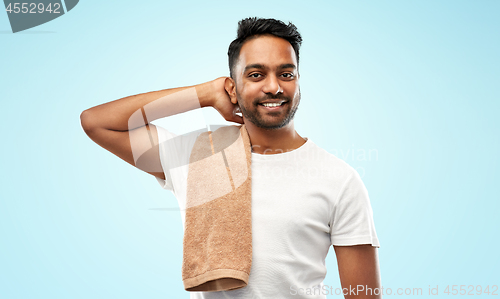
268 142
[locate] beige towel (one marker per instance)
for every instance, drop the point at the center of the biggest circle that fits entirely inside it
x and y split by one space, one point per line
218 227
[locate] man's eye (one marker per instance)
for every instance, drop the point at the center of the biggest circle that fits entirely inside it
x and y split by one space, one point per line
254 75
288 75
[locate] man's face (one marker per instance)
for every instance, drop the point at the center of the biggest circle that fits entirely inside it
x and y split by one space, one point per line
266 72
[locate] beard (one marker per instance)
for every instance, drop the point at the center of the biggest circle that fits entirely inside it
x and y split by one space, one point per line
269 120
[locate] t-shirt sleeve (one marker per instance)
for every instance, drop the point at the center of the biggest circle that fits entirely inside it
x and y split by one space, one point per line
352 216
174 151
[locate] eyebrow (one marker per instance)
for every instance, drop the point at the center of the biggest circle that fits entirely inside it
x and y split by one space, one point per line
263 67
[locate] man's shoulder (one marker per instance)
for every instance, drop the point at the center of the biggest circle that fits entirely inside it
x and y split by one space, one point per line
320 157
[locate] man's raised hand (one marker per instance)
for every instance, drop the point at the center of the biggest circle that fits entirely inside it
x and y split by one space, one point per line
220 100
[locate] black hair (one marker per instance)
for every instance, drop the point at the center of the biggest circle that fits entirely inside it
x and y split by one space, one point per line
252 27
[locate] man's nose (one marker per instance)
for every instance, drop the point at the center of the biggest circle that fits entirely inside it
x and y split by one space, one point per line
272 85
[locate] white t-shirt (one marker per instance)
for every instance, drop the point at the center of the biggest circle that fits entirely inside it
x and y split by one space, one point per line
303 202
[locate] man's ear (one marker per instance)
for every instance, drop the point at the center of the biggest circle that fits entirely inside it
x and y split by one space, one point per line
230 87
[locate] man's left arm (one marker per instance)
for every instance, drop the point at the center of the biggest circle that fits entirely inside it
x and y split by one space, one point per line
359 271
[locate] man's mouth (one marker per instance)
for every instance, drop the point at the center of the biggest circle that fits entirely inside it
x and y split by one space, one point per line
273 104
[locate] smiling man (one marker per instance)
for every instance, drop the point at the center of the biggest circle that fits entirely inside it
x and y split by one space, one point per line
265 84
303 199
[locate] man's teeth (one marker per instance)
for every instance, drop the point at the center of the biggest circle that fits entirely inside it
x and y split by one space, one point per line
271 104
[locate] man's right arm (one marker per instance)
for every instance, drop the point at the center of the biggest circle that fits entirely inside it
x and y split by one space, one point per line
123 126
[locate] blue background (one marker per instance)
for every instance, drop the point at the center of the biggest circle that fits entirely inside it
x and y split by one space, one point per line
415 83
